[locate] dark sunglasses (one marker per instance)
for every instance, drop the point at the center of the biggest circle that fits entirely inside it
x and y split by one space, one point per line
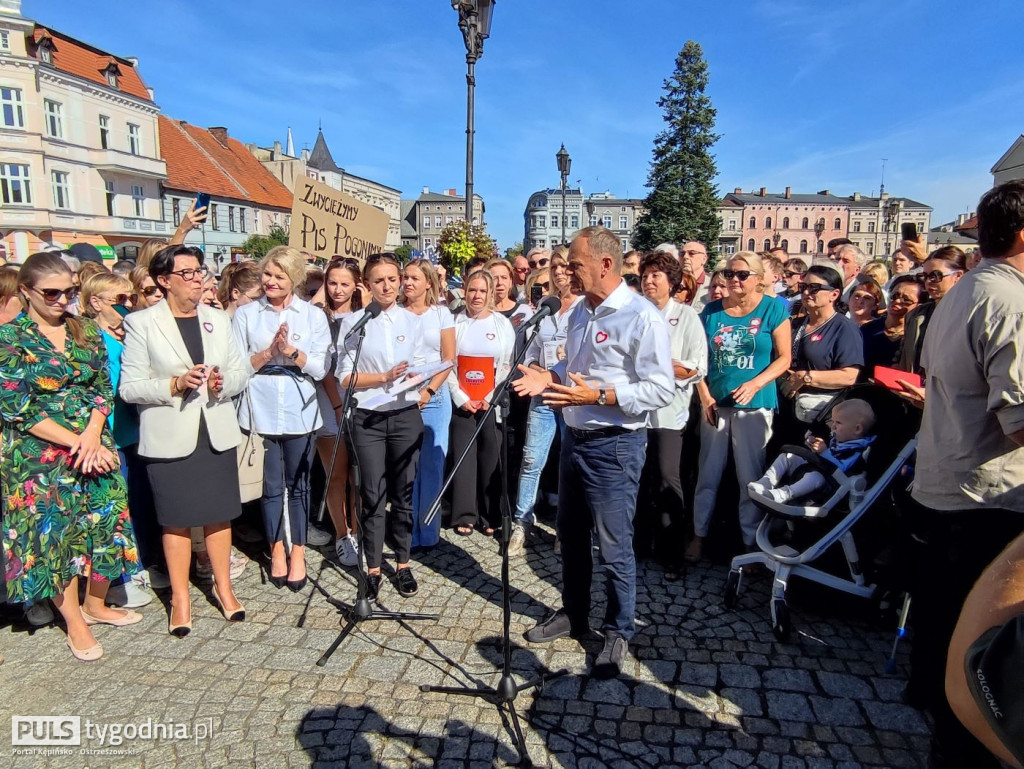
119 299
813 288
936 275
539 263
788 274
53 294
150 290
545 285
741 274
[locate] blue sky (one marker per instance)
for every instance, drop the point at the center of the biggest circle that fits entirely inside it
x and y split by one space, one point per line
809 94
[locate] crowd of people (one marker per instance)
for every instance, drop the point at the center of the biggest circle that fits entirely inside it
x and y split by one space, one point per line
126 392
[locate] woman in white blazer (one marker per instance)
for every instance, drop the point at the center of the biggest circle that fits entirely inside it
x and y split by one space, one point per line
181 366
484 342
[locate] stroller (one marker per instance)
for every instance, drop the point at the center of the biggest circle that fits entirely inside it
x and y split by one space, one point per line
844 499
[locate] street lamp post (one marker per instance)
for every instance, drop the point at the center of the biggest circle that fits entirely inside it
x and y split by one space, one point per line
564 164
475 23
892 219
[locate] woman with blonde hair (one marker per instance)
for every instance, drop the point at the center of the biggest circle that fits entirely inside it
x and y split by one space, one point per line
285 340
420 287
10 300
65 505
89 269
145 291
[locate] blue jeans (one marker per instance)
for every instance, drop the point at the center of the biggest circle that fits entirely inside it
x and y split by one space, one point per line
598 479
437 417
541 424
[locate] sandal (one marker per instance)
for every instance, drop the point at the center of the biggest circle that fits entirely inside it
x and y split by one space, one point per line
464 531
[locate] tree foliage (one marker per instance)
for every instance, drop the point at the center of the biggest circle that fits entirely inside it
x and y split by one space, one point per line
683 199
460 241
257 246
404 252
515 250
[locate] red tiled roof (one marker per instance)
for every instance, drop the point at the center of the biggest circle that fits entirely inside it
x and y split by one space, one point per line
968 224
198 162
82 60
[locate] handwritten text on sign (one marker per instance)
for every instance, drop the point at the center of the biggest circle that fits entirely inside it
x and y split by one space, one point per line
326 222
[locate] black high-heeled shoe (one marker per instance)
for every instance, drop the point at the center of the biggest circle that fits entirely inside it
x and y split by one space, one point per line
296 585
238 615
278 582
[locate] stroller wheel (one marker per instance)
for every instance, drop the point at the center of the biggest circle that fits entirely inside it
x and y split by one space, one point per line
780 620
732 589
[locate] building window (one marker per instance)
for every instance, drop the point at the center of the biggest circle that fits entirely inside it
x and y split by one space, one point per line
871 247
105 132
821 247
750 245
108 188
871 226
554 220
45 54
803 246
428 242
575 222
213 216
804 226
732 225
437 221
837 224
231 218
542 221
785 222
752 223
11 108
176 210
784 245
138 201
242 215
768 223
623 222
5 40
767 245
606 221
61 192
134 139
730 248
625 244
15 186
448 220
593 221
54 121
112 76
426 222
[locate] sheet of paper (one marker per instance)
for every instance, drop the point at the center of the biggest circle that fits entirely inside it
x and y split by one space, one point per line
416 377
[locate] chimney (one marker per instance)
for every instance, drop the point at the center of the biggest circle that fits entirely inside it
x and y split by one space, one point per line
789 192
856 197
452 192
737 191
220 134
824 192
764 191
133 60
277 150
426 191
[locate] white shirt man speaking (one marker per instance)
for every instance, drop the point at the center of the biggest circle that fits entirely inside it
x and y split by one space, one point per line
617 370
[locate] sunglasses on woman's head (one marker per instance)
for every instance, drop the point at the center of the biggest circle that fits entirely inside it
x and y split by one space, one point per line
814 288
741 274
53 294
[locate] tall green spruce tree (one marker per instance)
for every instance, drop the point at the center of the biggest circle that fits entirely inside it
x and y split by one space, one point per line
683 199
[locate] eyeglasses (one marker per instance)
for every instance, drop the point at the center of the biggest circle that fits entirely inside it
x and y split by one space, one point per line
545 285
741 274
813 288
936 275
789 274
150 290
119 299
902 299
51 295
862 296
522 270
189 274
695 253
539 263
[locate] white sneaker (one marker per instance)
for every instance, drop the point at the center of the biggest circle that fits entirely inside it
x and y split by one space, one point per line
782 495
158 579
239 561
39 614
133 593
756 487
347 548
317 537
517 541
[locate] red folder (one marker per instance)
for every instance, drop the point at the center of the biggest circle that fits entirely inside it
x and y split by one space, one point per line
887 377
476 376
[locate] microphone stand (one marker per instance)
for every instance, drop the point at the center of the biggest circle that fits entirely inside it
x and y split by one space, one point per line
361 611
504 694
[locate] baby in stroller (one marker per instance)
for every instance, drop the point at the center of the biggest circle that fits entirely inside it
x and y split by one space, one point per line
851 424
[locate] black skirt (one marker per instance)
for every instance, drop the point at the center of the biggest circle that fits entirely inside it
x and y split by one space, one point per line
198 490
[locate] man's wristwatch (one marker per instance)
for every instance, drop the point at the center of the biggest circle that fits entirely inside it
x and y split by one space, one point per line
602 397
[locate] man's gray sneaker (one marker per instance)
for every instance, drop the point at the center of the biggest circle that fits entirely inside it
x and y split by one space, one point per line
517 540
556 626
609 662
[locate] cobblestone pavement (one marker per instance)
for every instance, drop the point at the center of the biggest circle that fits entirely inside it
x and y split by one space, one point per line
703 686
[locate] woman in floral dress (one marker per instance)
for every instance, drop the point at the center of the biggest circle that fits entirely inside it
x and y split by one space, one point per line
65 511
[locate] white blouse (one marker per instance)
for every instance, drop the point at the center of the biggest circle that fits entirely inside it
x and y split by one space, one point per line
281 404
493 337
689 347
395 336
433 321
550 336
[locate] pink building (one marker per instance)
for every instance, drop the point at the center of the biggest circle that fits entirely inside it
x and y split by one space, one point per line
800 223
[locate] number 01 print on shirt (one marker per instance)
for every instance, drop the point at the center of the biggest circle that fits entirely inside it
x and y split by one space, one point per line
734 346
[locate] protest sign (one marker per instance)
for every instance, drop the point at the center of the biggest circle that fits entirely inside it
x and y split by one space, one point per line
326 222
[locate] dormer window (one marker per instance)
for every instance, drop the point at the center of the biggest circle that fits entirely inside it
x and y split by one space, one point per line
112 73
45 53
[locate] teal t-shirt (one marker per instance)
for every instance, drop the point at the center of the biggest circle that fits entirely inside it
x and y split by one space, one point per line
740 348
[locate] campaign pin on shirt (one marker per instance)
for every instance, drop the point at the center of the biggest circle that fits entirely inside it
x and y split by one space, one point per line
208 327
600 336
296 337
673 321
816 338
490 337
400 339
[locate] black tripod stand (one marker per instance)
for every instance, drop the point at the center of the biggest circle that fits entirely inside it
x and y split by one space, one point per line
361 611
504 694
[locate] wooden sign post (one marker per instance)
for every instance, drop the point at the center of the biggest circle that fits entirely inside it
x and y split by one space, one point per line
326 222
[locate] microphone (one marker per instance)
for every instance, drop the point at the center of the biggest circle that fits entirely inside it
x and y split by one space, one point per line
549 305
371 311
